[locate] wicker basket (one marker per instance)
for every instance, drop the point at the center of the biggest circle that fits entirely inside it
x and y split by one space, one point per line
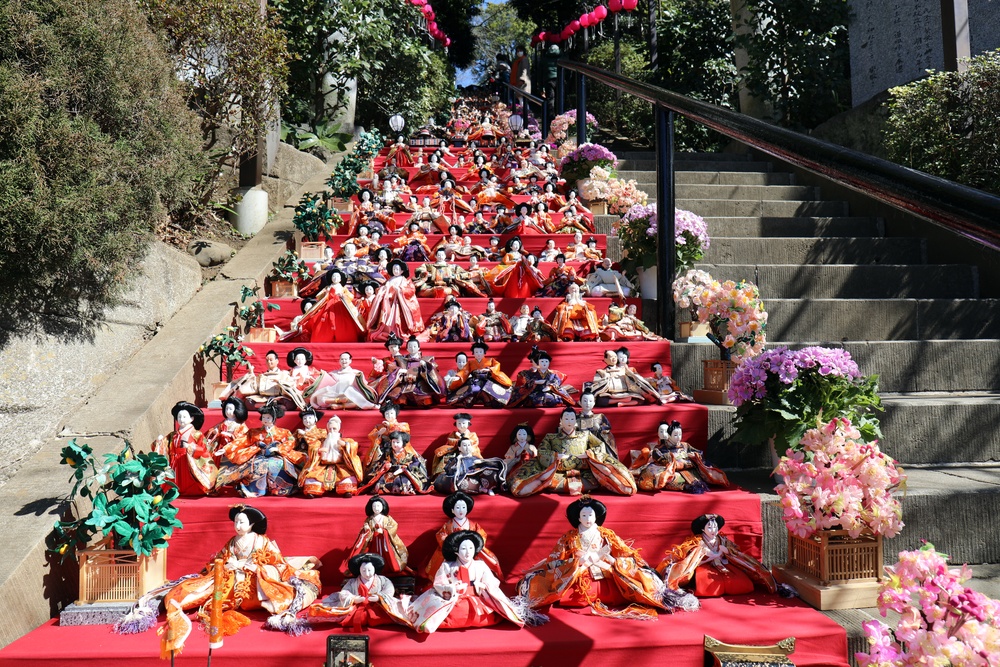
119 575
833 556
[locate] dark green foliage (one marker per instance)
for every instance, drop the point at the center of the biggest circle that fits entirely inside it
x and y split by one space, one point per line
97 148
131 496
948 125
628 115
414 83
314 218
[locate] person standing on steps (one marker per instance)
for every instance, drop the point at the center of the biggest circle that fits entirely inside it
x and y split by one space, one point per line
520 73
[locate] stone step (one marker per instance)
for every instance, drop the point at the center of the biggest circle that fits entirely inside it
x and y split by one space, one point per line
686 156
852 281
789 227
757 208
924 429
647 179
957 366
697 165
815 250
746 192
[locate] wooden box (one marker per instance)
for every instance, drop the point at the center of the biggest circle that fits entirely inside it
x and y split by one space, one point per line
698 330
717 374
281 288
261 335
119 575
341 205
598 207
832 570
312 250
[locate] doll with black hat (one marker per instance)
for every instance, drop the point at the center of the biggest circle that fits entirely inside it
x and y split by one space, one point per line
379 435
463 430
382 368
378 535
396 469
541 387
411 245
712 565
395 308
416 381
457 508
465 593
466 470
368 599
256 576
451 325
232 427
189 454
591 566
481 382
671 464
264 461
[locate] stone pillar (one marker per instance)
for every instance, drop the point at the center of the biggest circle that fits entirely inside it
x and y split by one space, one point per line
749 104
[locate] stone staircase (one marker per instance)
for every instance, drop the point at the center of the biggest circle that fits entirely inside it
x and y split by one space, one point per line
831 278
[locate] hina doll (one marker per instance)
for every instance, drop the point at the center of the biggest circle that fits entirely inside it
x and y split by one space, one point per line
670 391
475 277
572 222
552 199
621 323
492 325
362 241
478 225
465 593
397 470
395 307
415 381
344 389
550 253
523 222
270 385
670 464
541 387
489 192
605 281
514 276
573 201
457 507
294 328
255 576
538 330
366 600
451 378
399 153
449 205
363 211
449 244
412 246
378 536
522 449
572 461
463 423
332 465
519 322
302 372
465 470
355 268
379 436
495 252
334 318
363 303
187 451
232 426
264 461
593 567
454 325
617 384
574 318
442 278
596 423
560 278
309 436
542 217
482 381
713 565
382 368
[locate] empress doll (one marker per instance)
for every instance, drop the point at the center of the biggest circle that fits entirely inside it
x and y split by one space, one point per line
232 426
514 276
395 308
415 381
188 452
378 536
457 507
560 278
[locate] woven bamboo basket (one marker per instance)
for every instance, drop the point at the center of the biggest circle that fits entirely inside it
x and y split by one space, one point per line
833 556
119 575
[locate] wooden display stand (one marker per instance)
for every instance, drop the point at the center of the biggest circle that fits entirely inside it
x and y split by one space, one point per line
742 655
832 570
341 205
693 332
119 575
718 373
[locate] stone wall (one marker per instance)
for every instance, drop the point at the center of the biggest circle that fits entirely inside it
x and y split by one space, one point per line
984 25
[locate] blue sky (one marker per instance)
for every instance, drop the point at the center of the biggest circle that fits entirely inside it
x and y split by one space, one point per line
464 77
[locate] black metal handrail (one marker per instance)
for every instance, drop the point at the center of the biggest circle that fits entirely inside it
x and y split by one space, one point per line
971 213
515 92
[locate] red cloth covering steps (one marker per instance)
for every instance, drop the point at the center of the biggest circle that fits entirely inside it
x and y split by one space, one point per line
569 639
577 361
532 243
633 427
290 308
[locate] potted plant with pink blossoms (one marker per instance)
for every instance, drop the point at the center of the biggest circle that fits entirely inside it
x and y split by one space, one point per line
637 230
563 127
942 621
577 165
688 289
735 314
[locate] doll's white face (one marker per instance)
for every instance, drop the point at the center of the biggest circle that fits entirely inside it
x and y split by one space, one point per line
230 411
605 263
674 436
345 361
241 524
397 270
622 358
473 262
543 365
711 529
491 307
568 422
184 418
578 237
550 245
272 362
367 571
365 196
427 201
335 278
369 290
460 509
333 426
397 445
328 252
350 250
439 255
413 347
588 518
393 350
267 420
630 310
391 414
308 421
525 311
466 551
465 447
461 361
657 370
377 508
299 360
363 232
587 402
522 436
515 246
610 358
479 353
573 290
462 425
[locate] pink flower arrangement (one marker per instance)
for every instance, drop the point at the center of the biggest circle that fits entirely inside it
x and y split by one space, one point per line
563 127
620 195
577 164
736 315
942 622
688 289
837 480
638 227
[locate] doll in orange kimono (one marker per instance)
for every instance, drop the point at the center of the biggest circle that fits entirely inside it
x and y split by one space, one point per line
560 278
670 464
412 246
457 508
463 422
188 452
574 318
712 565
256 576
378 536
264 461
366 601
465 593
481 381
333 463
232 427
592 567
395 308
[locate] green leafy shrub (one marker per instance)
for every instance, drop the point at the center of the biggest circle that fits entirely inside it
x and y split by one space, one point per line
628 115
947 124
98 148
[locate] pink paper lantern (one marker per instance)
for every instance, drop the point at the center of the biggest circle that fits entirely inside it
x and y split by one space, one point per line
432 27
447 41
593 18
574 26
615 6
585 20
601 12
629 5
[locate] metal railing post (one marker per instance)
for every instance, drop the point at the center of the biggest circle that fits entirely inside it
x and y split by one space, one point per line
545 119
581 109
665 219
560 91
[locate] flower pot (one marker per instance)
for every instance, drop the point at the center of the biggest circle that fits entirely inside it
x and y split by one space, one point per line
647 282
119 575
717 374
694 332
832 570
281 288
